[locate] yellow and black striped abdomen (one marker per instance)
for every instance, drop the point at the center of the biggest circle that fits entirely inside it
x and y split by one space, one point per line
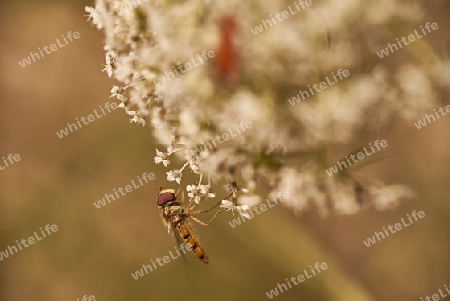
192 242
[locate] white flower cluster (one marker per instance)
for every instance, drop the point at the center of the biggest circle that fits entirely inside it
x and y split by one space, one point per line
251 77
200 192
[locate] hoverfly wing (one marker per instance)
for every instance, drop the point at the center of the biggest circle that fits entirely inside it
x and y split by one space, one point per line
166 223
179 240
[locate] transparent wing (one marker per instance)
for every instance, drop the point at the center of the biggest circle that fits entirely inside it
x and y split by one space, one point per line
179 240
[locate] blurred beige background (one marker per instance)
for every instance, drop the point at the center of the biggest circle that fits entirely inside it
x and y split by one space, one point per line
95 251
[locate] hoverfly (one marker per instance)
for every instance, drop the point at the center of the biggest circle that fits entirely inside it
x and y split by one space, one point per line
176 218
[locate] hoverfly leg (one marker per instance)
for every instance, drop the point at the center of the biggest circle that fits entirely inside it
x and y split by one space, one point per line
205 210
213 218
181 200
191 204
198 221
178 192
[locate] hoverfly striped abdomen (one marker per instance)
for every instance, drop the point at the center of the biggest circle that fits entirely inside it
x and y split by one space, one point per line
192 242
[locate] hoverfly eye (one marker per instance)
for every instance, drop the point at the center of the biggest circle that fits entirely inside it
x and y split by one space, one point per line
166 197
